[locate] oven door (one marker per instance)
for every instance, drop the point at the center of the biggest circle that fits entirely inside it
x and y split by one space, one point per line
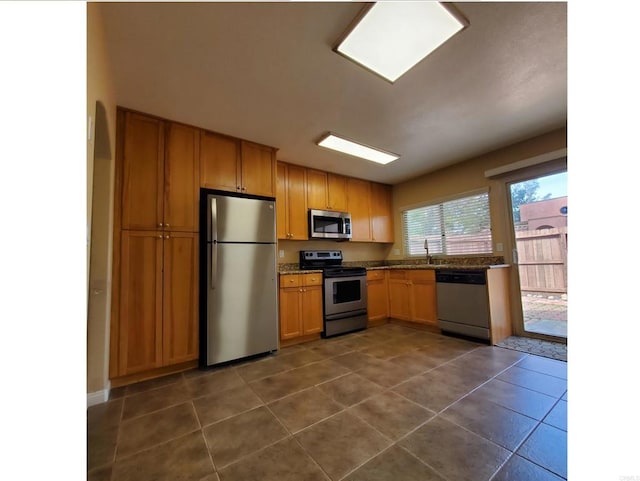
344 294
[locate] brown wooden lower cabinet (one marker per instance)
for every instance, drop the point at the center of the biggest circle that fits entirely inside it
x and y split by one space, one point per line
423 296
412 296
180 298
399 295
157 322
377 295
300 305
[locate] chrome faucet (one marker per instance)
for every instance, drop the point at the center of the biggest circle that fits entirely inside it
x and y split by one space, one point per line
426 247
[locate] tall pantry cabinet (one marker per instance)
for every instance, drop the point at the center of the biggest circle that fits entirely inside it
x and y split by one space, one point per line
154 320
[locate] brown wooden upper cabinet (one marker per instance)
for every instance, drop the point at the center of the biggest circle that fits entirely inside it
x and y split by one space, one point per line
358 201
369 204
381 213
158 175
326 191
219 159
235 165
291 205
258 171
300 189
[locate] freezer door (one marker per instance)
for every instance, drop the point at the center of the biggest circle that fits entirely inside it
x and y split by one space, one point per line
242 297
236 219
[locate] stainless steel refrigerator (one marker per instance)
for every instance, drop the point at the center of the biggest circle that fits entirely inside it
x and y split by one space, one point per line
241 315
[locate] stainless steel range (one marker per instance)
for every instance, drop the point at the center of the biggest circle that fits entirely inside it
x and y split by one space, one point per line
344 291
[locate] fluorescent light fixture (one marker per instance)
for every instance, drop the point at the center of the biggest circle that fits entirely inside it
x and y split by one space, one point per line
392 37
346 146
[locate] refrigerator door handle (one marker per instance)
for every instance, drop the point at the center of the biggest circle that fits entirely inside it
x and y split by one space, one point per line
214 265
213 227
213 236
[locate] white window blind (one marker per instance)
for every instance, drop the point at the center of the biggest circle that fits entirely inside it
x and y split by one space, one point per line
460 226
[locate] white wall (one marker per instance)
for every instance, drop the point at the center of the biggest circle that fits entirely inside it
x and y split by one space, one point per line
101 107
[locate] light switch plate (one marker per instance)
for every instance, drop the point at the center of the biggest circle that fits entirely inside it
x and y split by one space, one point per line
281 252
499 247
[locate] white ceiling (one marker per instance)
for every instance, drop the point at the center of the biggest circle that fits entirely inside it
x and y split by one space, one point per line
266 72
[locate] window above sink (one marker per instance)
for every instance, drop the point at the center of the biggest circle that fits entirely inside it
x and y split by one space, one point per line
460 226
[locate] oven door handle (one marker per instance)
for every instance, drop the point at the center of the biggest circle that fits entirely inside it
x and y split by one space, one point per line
346 277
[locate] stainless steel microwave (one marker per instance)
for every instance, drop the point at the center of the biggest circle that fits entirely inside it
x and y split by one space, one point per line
327 224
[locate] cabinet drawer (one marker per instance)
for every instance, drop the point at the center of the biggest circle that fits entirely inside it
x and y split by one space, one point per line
399 275
422 275
375 275
290 280
311 279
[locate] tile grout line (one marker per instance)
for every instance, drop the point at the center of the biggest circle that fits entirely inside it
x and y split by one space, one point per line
438 413
147 448
367 460
446 478
173 438
204 438
206 445
533 390
115 450
345 410
297 441
515 452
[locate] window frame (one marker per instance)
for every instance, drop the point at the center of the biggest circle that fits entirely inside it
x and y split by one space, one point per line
440 202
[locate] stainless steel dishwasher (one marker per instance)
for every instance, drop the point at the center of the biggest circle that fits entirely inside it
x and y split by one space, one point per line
463 302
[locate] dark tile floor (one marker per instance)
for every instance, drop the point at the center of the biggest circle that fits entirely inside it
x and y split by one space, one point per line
388 403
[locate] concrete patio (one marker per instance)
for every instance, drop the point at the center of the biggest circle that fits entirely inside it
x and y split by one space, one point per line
545 313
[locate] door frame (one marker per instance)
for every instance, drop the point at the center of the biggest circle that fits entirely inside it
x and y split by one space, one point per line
541 170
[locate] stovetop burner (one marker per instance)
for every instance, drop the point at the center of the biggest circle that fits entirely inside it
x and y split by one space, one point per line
330 262
320 259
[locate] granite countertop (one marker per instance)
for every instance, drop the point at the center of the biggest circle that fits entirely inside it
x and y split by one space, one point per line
457 267
467 264
284 269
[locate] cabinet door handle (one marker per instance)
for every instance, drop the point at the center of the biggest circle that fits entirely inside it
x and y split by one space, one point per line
160 224
166 225
166 237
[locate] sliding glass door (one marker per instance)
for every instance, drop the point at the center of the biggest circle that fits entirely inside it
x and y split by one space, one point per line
539 215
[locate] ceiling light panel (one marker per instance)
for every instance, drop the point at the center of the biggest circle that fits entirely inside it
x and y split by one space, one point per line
346 146
394 36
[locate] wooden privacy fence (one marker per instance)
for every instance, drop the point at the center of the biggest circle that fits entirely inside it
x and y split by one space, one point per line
542 260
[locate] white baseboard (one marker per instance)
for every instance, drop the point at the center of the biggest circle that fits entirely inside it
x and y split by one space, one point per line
98 397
